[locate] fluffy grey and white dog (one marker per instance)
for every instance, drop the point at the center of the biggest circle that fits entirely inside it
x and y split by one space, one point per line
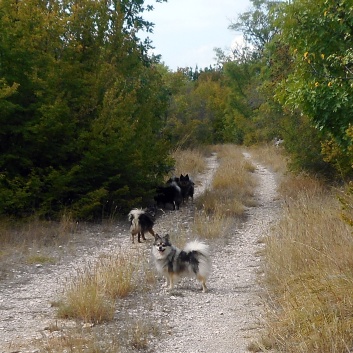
173 262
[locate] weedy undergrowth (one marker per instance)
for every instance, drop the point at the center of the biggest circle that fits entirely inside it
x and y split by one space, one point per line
309 273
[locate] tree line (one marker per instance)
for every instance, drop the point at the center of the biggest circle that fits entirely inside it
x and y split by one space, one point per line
82 108
89 117
291 80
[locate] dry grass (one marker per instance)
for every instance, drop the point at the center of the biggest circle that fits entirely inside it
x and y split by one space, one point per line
98 339
40 259
32 242
139 332
211 226
271 156
189 162
17 237
233 183
73 343
91 295
231 193
309 272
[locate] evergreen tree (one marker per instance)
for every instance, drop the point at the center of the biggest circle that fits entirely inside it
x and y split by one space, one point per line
82 107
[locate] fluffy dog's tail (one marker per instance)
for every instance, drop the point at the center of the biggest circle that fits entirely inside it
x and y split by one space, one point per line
134 214
202 252
133 217
198 246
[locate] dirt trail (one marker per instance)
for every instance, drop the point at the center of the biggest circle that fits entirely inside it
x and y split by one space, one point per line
224 320
229 316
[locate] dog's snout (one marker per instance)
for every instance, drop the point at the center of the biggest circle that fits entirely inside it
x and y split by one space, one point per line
161 248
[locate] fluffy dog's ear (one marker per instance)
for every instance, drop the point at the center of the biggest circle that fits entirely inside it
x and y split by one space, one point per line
166 237
156 236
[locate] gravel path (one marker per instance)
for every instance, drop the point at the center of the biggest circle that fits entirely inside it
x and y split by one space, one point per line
225 319
229 316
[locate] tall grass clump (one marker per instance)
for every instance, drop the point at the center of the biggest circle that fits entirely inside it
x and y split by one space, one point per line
232 185
231 192
211 225
91 295
190 162
272 156
309 272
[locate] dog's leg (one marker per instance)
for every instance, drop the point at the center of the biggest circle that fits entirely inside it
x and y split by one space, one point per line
139 237
143 235
151 231
134 230
166 284
203 283
171 281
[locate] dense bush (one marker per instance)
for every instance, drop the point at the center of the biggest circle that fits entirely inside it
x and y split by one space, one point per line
82 108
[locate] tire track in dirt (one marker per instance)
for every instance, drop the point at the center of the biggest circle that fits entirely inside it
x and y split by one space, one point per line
229 316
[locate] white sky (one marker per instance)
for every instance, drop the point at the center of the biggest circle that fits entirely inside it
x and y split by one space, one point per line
187 31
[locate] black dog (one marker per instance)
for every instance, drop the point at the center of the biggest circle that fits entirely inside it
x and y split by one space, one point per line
187 187
169 194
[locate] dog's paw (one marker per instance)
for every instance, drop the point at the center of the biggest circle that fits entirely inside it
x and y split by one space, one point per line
168 288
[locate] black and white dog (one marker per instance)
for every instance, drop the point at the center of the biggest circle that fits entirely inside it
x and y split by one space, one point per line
173 262
141 221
